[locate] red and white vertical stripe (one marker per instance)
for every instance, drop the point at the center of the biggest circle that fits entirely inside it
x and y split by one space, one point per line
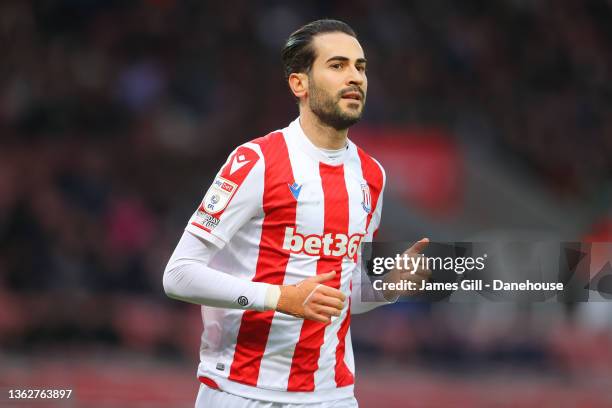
279 209
280 352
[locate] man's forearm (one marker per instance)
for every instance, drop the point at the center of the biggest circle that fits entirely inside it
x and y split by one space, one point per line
363 289
197 283
188 278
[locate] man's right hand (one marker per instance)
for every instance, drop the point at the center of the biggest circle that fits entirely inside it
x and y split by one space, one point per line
312 300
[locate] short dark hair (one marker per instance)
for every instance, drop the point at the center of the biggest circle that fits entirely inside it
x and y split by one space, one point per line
298 55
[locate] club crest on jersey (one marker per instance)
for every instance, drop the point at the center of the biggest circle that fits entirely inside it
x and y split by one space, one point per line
218 195
366 199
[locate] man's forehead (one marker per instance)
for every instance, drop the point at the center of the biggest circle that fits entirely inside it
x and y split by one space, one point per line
336 44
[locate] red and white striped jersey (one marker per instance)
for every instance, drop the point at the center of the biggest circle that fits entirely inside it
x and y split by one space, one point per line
282 211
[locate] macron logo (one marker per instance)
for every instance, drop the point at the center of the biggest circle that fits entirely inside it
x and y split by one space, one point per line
295 189
330 244
238 162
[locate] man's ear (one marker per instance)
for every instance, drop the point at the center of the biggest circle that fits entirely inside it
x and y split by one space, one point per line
298 82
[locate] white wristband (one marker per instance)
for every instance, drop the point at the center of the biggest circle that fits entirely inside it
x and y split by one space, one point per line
272 295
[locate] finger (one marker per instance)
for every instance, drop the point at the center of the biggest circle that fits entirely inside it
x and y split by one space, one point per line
324 277
416 271
425 272
419 246
317 317
311 293
332 292
425 275
419 273
326 310
329 301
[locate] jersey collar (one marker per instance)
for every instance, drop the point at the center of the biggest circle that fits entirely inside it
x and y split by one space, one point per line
304 143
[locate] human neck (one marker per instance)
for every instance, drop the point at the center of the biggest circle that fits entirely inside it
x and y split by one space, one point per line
321 135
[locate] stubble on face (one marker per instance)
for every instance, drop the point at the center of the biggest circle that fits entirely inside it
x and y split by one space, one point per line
327 106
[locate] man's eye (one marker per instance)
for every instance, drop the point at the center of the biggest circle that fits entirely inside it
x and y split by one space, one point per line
336 66
361 68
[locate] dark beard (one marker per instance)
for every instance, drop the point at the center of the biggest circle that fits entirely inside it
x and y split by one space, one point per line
328 111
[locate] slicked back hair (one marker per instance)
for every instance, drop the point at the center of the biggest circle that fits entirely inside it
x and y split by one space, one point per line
298 54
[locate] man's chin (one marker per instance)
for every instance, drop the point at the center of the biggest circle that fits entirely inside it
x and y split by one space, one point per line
343 117
347 121
352 116
351 109
352 105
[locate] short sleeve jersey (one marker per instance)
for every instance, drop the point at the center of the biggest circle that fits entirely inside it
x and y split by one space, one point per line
281 211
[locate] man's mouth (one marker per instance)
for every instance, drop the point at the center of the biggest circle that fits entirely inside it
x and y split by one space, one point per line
352 95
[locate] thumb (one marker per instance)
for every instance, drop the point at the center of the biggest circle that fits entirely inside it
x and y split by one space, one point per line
419 246
324 277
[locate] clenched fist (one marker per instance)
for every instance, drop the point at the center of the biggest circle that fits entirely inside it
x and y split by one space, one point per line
418 275
312 300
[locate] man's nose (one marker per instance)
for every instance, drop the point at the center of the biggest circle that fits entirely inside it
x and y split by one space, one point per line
354 76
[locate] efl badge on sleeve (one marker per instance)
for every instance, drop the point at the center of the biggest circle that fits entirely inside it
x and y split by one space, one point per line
366 202
218 195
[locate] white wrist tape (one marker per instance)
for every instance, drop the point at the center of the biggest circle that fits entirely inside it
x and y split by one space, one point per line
272 295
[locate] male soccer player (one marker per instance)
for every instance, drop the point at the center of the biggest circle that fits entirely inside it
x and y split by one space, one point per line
272 252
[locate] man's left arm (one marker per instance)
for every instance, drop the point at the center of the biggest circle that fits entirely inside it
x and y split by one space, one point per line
362 287
362 284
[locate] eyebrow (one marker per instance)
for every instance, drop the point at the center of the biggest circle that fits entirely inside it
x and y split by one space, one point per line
344 59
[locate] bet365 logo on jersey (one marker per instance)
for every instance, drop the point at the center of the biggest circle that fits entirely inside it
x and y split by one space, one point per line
330 244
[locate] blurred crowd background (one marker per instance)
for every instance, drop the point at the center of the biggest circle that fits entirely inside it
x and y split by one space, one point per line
492 118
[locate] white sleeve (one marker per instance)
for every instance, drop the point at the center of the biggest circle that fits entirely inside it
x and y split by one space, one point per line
362 286
235 196
188 277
